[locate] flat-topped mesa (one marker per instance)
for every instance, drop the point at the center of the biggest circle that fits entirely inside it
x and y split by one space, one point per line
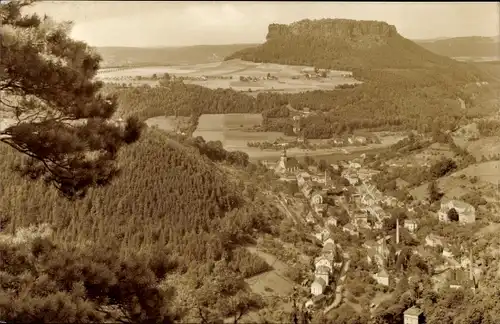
338 28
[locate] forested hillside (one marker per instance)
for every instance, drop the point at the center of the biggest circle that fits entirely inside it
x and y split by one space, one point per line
172 204
177 197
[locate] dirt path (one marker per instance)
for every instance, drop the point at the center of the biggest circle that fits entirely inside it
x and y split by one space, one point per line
340 286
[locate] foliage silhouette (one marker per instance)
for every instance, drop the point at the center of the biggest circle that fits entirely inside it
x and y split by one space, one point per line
60 121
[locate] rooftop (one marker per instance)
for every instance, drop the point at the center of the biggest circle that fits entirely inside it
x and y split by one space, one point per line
350 227
322 269
457 204
383 273
413 311
320 281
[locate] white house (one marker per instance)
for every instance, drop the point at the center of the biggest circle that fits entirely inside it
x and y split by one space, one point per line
332 221
329 243
307 189
323 273
320 208
317 198
318 286
412 315
354 165
350 229
466 212
310 218
434 240
382 278
323 235
302 178
323 261
411 225
447 252
360 139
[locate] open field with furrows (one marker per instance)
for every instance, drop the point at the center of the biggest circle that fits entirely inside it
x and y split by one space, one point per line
227 75
425 157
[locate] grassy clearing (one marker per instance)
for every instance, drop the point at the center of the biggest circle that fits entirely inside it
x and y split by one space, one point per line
487 172
270 283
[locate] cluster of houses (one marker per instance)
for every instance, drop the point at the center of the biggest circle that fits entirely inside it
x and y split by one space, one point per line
457 261
204 78
466 212
257 78
325 266
350 140
367 213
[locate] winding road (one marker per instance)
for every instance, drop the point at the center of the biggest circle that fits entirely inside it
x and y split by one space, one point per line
340 284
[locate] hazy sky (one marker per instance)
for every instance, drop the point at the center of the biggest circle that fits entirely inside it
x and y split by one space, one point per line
176 23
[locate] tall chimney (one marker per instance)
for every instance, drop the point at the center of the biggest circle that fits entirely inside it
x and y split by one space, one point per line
471 270
397 230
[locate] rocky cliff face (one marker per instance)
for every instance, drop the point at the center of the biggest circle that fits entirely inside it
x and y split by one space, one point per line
345 44
343 28
350 31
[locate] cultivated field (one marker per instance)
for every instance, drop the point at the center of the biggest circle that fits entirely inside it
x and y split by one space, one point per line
272 282
227 74
487 172
455 185
486 146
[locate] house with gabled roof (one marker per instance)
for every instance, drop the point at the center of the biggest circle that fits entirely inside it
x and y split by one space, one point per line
466 212
322 272
411 225
329 243
350 229
382 277
323 261
413 315
323 235
318 286
458 278
332 221
434 240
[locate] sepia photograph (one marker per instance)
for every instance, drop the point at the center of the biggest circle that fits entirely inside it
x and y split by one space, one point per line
232 162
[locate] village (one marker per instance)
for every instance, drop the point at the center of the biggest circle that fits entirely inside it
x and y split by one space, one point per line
366 206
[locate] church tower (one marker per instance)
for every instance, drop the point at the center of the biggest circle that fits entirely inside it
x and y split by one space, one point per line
283 159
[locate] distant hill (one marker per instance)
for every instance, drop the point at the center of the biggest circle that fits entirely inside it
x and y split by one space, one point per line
139 56
342 44
473 47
